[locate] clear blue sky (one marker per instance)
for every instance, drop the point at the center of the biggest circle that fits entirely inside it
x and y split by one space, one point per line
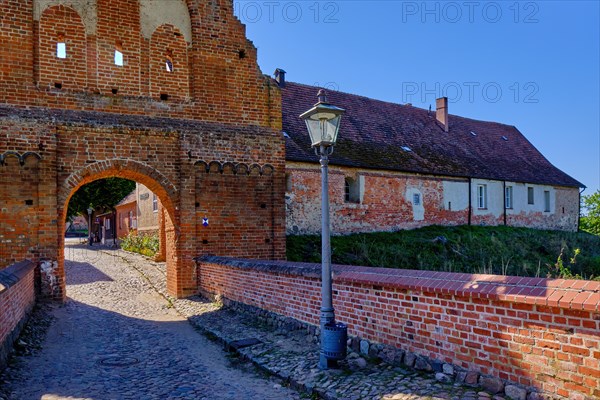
532 64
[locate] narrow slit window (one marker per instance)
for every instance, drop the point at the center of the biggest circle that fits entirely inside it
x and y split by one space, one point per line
119 54
169 61
530 198
61 47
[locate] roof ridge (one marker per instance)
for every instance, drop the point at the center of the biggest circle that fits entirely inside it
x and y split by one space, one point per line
397 104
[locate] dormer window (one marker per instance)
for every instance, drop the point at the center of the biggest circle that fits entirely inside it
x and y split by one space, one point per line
119 54
61 47
169 61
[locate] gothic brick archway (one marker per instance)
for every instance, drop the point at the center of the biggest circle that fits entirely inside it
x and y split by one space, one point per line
134 171
65 99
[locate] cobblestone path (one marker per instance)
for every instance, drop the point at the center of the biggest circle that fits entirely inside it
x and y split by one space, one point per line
117 338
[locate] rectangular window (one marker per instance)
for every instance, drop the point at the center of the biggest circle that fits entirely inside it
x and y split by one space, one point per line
61 50
508 197
416 199
154 203
107 223
546 200
118 58
482 196
530 199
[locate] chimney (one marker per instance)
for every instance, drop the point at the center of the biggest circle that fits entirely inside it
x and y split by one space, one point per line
441 111
280 77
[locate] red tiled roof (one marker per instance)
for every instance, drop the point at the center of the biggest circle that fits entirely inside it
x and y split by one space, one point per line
373 133
130 198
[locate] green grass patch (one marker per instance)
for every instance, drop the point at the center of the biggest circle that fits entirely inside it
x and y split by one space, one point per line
142 244
471 249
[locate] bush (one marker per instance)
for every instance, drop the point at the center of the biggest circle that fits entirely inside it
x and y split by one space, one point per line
142 244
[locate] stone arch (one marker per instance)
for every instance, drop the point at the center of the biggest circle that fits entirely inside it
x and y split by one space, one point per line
154 13
61 24
135 171
168 46
87 9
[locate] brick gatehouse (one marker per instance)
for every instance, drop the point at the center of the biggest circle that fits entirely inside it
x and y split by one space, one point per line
168 94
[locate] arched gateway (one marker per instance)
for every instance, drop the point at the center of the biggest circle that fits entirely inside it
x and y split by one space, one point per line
149 94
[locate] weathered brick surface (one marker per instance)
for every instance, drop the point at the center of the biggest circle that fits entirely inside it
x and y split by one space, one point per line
215 78
387 204
541 334
109 120
17 296
246 209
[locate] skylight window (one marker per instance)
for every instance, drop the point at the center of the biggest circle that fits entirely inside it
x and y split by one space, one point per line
285 135
504 138
406 148
473 133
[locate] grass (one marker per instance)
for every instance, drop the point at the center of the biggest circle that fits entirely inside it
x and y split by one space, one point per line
472 249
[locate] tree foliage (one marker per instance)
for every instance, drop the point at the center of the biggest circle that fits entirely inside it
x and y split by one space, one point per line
101 195
590 218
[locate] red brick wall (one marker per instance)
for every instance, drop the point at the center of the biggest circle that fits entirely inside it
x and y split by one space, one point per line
118 23
73 153
216 76
538 333
62 23
174 84
384 206
216 83
387 202
17 297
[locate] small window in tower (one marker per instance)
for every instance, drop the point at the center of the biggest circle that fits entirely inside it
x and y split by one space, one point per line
119 54
169 61
61 47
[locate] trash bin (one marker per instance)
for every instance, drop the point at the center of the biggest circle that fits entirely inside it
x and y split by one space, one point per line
335 337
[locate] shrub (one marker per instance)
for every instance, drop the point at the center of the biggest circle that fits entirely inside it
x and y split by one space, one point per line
146 244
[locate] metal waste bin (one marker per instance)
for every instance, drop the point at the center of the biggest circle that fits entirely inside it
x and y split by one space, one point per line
334 339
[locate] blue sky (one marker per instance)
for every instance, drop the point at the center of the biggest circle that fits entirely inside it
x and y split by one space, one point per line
532 64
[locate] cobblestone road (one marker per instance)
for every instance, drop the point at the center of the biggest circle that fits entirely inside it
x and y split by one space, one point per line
117 338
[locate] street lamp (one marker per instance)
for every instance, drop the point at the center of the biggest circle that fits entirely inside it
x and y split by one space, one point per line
90 210
323 123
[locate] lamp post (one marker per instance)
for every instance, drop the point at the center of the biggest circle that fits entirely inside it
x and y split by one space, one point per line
323 124
90 210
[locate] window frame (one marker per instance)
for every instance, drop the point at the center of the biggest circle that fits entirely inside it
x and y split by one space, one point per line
508 198
546 201
530 195
416 200
154 203
482 197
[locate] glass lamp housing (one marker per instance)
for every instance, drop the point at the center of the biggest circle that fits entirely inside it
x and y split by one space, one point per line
323 123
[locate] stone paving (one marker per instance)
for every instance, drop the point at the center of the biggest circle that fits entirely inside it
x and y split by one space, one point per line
118 338
292 355
119 313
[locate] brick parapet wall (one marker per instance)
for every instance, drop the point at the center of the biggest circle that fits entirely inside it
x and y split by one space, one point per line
17 297
541 334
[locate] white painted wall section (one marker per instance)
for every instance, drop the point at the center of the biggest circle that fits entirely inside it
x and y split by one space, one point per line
455 195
